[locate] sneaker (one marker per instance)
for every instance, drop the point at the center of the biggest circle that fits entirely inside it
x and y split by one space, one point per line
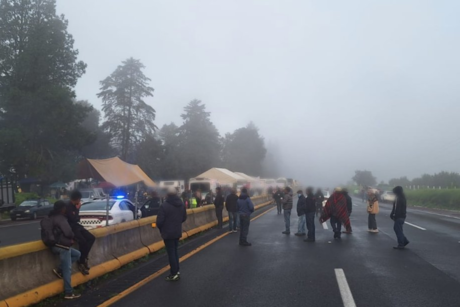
286 232
374 230
71 296
83 269
58 273
173 277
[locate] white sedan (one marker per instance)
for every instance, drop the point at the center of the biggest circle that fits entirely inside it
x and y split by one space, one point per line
388 197
93 214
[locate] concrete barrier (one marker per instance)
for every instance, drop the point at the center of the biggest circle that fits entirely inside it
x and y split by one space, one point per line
26 269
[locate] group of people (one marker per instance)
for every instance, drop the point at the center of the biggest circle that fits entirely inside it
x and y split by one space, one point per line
337 209
59 231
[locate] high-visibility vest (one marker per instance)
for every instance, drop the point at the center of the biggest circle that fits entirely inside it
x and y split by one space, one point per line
193 202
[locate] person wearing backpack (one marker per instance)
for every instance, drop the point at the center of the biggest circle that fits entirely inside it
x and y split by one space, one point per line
58 236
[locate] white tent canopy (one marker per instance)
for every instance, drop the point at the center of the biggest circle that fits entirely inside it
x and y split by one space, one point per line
247 177
222 175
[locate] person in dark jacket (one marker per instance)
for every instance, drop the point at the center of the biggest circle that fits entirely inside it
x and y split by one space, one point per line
301 206
245 209
278 196
287 207
231 204
319 196
64 239
310 211
398 215
169 221
219 204
349 201
83 237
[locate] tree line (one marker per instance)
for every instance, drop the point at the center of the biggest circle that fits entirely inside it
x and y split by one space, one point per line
45 131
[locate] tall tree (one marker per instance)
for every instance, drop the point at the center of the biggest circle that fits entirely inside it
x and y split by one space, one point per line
199 141
40 125
129 119
364 178
244 150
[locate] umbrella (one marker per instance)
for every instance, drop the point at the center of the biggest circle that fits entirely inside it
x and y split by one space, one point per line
58 185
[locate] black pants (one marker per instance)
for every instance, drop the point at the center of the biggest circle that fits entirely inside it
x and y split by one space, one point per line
372 223
278 206
173 255
219 217
336 226
244 227
85 242
311 225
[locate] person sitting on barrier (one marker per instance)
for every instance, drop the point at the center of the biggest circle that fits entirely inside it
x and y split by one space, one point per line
57 234
83 237
169 221
245 208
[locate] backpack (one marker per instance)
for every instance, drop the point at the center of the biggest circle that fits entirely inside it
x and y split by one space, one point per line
48 232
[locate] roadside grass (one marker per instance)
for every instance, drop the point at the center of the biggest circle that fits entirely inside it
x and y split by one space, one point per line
438 199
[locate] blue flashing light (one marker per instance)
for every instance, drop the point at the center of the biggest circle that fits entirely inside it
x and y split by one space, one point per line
120 196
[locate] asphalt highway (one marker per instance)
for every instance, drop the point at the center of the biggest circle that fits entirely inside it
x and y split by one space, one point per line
362 269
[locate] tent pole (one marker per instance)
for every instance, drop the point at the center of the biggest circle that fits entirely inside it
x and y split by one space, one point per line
107 211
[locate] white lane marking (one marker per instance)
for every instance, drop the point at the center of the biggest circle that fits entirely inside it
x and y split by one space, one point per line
16 225
415 226
438 214
325 226
345 292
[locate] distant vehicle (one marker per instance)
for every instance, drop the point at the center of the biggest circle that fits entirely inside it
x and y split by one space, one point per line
388 197
92 194
204 185
178 184
31 209
93 213
151 207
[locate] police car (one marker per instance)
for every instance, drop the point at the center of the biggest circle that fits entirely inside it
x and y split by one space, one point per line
93 214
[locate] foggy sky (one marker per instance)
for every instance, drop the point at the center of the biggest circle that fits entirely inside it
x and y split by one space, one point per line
335 85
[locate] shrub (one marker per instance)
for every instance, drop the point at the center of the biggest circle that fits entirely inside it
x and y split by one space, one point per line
442 199
20 197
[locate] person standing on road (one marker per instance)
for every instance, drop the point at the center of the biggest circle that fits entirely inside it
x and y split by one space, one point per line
231 204
245 209
278 196
301 208
319 196
310 211
373 210
169 221
83 237
349 201
398 215
62 238
219 204
336 210
287 207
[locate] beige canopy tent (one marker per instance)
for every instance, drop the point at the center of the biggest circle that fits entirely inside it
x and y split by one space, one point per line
113 170
247 177
222 175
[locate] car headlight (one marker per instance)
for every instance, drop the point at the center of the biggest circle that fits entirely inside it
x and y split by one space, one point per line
27 211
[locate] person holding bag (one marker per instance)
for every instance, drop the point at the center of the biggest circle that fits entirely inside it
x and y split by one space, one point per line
373 210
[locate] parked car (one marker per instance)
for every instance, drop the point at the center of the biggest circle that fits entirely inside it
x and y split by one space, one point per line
93 214
31 209
388 197
151 207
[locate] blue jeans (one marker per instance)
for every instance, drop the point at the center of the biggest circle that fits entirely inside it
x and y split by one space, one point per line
311 225
398 228
287 220
173 255
336 226
67 257
233 218
301 224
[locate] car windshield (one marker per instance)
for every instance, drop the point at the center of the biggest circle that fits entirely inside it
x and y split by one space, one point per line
96 205
28 203
86 194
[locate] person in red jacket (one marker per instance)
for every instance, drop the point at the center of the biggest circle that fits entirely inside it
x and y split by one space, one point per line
336 210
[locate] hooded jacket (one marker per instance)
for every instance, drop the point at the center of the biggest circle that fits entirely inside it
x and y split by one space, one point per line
219 201
170 218
349 203
231 204
301 205
310 205
287 201
245 205
63 232
400 205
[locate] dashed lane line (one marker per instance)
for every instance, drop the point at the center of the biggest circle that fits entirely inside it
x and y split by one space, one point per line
345 292
421 228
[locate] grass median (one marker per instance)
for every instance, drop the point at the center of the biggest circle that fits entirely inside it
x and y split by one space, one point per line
440 199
